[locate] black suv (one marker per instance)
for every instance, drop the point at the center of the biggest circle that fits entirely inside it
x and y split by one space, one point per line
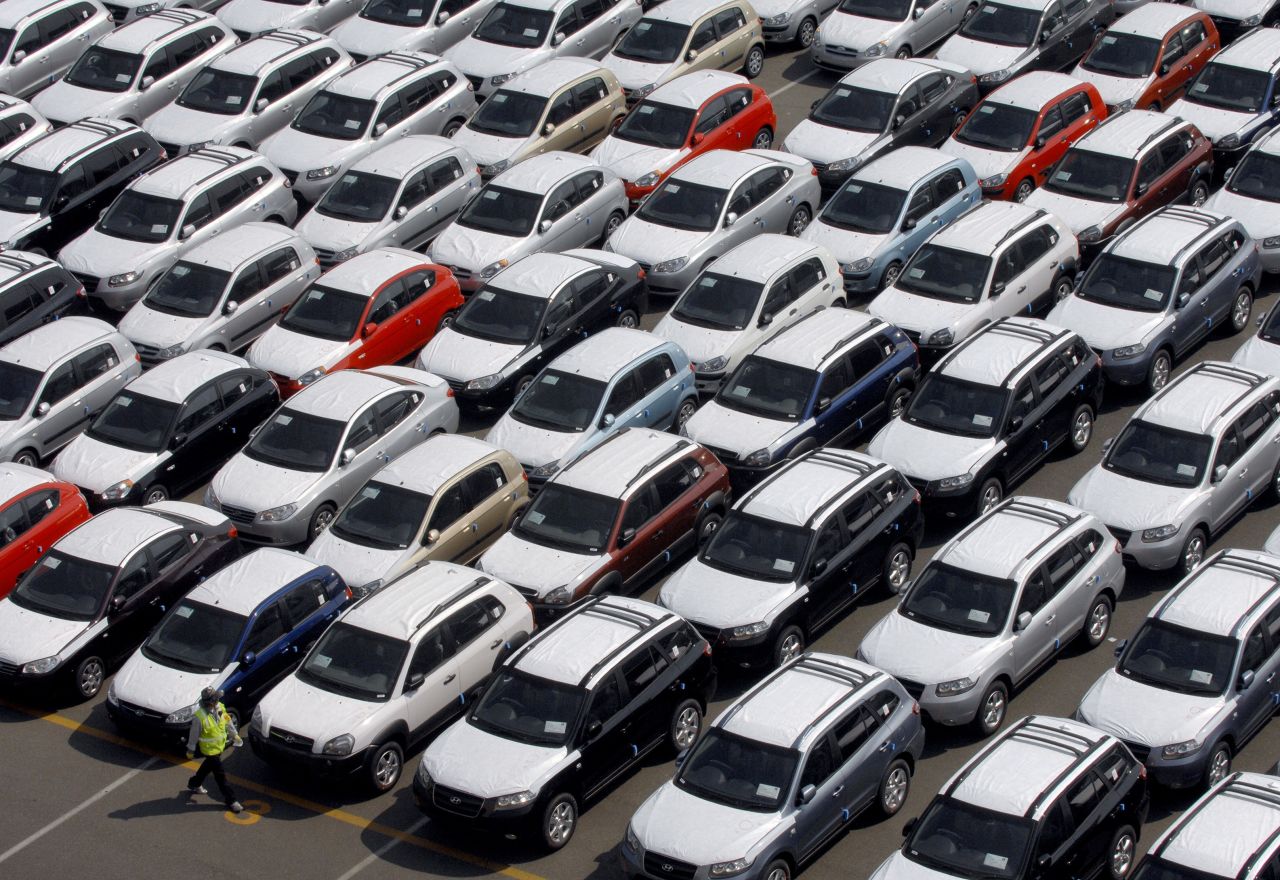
566 715
33 291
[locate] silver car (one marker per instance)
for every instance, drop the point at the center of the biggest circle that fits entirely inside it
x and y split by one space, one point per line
387 97
20 124
1188 461
787 21
125 10
400 195
50 37
409 25
862 30
252 91
322 445
994 605
223 294
54 380
1251 194
134 71
711 204
167 212
252 18
553 202
1229 832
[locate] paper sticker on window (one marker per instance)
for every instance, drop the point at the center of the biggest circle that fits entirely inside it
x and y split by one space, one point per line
485 295
535 517
532 33
645 110
1200 87
991 860
1153 295
52 563
550 380
415 13
981 420
500 98
1199 676
765 790
741 390
123 77
987 108
1108 41
490 195
235 100
854 188
33 200
784 565
554 726
978 616
183 611
1063 175
159 228
915 272
370 492
322 661
48 503
1186 470
125 401
673 187
283 421
352 123
316 295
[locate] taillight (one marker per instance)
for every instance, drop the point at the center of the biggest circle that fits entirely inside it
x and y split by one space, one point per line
917 498
1142 771
233 532
1119 549
915 707
813 171
706 652
349 593
82 293
448 392
640 274
524 475
137 357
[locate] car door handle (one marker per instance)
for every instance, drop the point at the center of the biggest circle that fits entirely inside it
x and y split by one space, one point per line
475 527
494 644
1021 289
1243 471
451 677
1050 619
838 790
886 745
936 220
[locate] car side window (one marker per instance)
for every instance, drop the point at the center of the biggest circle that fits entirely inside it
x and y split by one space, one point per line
450 507
13 522
1255 650
561 201
443 173
135 575
768 182
1174 149
199 408
860 512
1150 169
1253 424
18 301
41 504
921 204
933 87
304 600
1213 257
364 430
1052 122
587 184
170 549
570 21
820 764
482 484
1089 543
1064 565
606 702
1049 375
831 540
654 372
883 705
233 387
853 732
807 276
1272 622
781 292
160 64
279 264
1174 49
673 482
60 383
184 49
838 379
467 624
266 630
713 116
247 284
274 86
642 670
1084 797
677 643
587 94
1034 594
1193 34
587 289
642 507
1024 400
392 409
102 166
430 653
392 112
387 302
865 358
728 21
97 361
626 394
1055 828
1074 107
1228 449
909 102
199 212
563 108
229 193
947 185
704 35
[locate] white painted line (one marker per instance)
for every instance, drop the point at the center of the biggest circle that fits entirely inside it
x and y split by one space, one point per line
381 851
23 844
773 96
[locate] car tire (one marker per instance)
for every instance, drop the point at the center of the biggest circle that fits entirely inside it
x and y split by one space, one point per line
320 520
1275 483
453 127
992 709
707 528
685 412
897 403
889 276
895 785
958 120
155 494
805 32
1081 428
523 383
89 676
386 763
1241 309
1218 767
559 820
1122 853
763 139
800 219
990 493
685 725
753 64
779 869
839 303
447 319
968 13
611 225
1159 371
903 53
1024 190
788 645
895 571
1098 622
1062 287
1198 192
27 457
1193 551
628 318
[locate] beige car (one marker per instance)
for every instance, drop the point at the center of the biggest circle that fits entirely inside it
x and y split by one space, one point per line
563 104
678 38
445 500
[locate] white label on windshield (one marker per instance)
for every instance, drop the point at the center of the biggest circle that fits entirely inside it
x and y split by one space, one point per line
370 492
1186 470
536 518
1200 87
1108 41
550 380
33 200
554 726
500 98
986 108
316 295
234 100
491 195
784 565
183 611
1153 294
48 503
282 421
352 123
1063 175
322 661
981 420
159 228
765 790
531 32
979 616
486 296
125 401
854 188
320 599
647 110
415 13
1199 676
123 77
988 10
916 272
991 860
673 187
52 563
741 390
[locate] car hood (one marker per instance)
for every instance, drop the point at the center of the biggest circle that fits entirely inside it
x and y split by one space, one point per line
145 683
1138 712
635 74
678 824
256 17
743 433
650 243
182 125
986 162
1213 122
66 103
926 454
899 867
1261 219
480 58
632 161
29 635
332 233
1077 213
922 314
291 354
1272 544
454 355
907 649
699 343
160 329
255 485
313 712
299 151
1105 327
1235 9
1114 89
1128 503
530 444
359 564
489 148
94 465
980 57
14 226
95 253
471 760
825 143
361 36
846 245
536 566
471 248
855 31
1259 354
721 599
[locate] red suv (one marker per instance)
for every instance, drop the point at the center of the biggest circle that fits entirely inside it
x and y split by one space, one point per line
35 511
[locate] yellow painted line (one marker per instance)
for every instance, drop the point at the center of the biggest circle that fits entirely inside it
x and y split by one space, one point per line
302 803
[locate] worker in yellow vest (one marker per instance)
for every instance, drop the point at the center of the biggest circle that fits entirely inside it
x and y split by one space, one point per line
211 726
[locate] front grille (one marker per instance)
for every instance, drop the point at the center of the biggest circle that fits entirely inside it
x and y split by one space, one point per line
460 273
821 167
88 282
457 801
1121 535
8 670
238 514
455 385
843 50
291 740
658 865
326 257
723 454
647 267
915 688
476 81
1141 752
118 13
142 712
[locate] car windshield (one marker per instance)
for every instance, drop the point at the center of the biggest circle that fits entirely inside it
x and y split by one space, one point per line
407 13
508 114
860 206
64 586
359 197
656 125
1098 177
684 205
970 841
1156 454
104 70
335 116
1006 25
528 709
654 42
195 637
25 190
885 10
18 385
1153 868
959 601
326 312
854 109
501 316
1128 284
189 290
1229 87
217 91
1271 326
738 772
569 519
502 211
135 421
757 548
297 441
998 127
355 663
945 273
956 406
720 302
139 217
1175 658
768 388
1257 177
383 516
1126 55
509 25
560 402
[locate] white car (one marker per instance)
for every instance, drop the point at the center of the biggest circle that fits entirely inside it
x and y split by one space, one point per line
1251 194
409 26
20 124
252 18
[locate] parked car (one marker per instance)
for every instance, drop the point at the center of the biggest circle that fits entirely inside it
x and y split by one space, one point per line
240 630
526 316
1260 351
1182 694
1236 17
446 500
792 21
253 18
52 37
858 31
1251 195
1158 290
96 593
20 124
409 26
125 10
995 605
34 290
36 510
579 705
804 752
317 450
393 670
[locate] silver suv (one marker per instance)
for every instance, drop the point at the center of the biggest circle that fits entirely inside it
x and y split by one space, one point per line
996 604
859 31
1188 462
409 26
780 773
50 37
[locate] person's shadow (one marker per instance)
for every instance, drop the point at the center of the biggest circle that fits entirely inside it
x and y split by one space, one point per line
166 806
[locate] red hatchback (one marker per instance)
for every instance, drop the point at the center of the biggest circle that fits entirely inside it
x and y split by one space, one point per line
694 113
35 511
375 309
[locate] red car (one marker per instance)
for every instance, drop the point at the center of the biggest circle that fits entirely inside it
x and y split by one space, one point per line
35 511
375 309
694 113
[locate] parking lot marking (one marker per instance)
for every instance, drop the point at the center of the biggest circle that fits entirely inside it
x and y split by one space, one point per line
795 82
381 851
87 802
253 811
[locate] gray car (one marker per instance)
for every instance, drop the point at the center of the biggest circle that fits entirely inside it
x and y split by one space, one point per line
252 18
786 21
50 37
862 30
126 10
994 605
781 773
409 26
55 379
1189 461
1196 680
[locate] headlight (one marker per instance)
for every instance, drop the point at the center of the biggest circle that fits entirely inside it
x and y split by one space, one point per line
751 629
955 482
510 801
118 491
1229 142
546 470
713 365
778 20
310 376
182 716
148 8
423 776
6 245
484 383
1251 21
728 869
1273 242
492 269
501 78
941 337
860 265
648 180
845 164
1160 533
995 180
1127 104
672 265
875 51
996 76
498 167
759 458
558 596
631 840
171 352
255 722
278 514
123 279
1093 233
210 499
345 254
111 692
644 90
1177 750
322 173
954 687
340 745
41 666
1129 351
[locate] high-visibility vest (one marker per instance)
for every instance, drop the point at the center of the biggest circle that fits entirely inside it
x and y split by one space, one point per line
213 730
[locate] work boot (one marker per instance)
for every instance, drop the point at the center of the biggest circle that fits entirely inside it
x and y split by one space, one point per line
236 807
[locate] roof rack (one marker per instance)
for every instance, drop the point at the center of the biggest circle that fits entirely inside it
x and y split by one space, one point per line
1224 371
835 670
1082 757
1029 331
1171 122
639 619
410 62
661 457
1014 230
866 328
181 16
453 597
226 156
13 261
296 37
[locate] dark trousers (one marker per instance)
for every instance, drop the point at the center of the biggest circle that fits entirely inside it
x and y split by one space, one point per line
212 766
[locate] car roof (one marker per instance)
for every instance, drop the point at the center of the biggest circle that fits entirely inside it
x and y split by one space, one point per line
340 395
815 338
364 274
402 607
887 74
540 274
543 79
998 353
904 167
1009 538
1223 832
174 380
1259 49
721 168
538 174
1222 594
251 56
792 702
239 244
602 355
1202 396
253 578
138 34
804 487
175 178
370 78
612 467
539 4
435 461
47 344
19 264
1125 134
761 257
684 12
1153 19
405 155
15 479
51 150
987 226
112 535
14 11
691 90
1035 89
1024 4
1162 237
586 642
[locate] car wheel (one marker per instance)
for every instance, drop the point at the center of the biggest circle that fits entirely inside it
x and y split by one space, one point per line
155 494
799 221
1241 309
968 13
447 319
903 53
686 724
1081 427
1024 190
89 675
1193 550
559 821
27 457
385 766
1158 372
525 382
1218 767
628 318
684 413
1062 288
788 645
1098 623
959 118
320 520
1275 483
890 275
804 33
895 785
1199 193
1121 853
898 402
763 139
754 63
992 709
991 494
611 225
896 570
454 126
708 527
779 869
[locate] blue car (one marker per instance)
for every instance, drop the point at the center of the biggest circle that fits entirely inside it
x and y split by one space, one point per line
825 380
242 630
879 218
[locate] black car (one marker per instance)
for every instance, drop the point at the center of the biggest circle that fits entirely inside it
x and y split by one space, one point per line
54 188
579 705
527 315
168 431
33 291
96 593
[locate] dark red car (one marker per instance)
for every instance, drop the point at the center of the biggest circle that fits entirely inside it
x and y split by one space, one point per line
35 511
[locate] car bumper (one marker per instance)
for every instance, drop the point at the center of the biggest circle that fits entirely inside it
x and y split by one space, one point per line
949 711
117 299
748 653
863 282
843 61
280 534
1154 555
671 283
946 502
1183 772
708 384
146 722
636 194
438 802
782 33
329 765
12 679
1269 258
1127 371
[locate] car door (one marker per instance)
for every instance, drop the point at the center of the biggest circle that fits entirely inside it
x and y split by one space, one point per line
309 610
772 206
477 639
937 113
1176 179
561 215
266 655
1192 306
1221 280
1228 478
162 69
487 495
677 488
862 754
246 403
650 683
829 572
449 534
379 345
711 132
1071 583
1020 435
1033 643
835 409
16 549
1198 50
818 819
659 394
703 51
1049 378
133 607
1081 29
560 129
595 111
589 309
65 414
261 293
99 379
623 407
733 38
432 689
870 526
1256 704
934 20
196 447
1085 836
1258 439
642 533
605 737
419 98
921 220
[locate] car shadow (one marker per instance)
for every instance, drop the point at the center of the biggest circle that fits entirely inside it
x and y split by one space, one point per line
166 806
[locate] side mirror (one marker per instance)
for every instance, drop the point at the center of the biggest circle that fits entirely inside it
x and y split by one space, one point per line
348 456
626 537
1120 646
691 55
918 12
909 224
42 409
550 330
260 105
1164 70
730 219
698 138
545 226
1040 142
608 420
1182 300
117 602
380 129
1141 189
909 826
231 307
147 82
807 793
899 121
1220 473
593 729
401 212
443 17
432 536
997 288
548 129
186 232
1246 679
819 566
178 440
557 38
1044 861
1015 424
369 329
18 56
1022 621
414 681
1044 36
60 201
766 319
249 658
823 404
